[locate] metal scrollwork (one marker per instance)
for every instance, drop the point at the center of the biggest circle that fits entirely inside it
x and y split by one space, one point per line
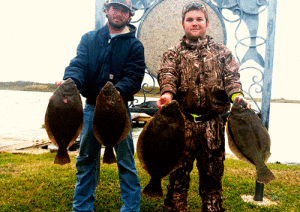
244 13
144 6
247 13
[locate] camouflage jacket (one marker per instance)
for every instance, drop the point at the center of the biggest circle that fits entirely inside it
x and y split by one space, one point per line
202 77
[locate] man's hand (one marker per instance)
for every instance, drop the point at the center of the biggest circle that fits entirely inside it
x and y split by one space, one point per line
58 83
163 100
239 97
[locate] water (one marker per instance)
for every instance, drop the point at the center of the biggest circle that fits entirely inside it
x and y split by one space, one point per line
22 116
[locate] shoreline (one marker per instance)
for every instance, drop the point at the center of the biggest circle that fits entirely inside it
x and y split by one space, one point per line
49 87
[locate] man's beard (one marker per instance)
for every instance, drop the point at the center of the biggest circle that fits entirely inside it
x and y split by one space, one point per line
117 26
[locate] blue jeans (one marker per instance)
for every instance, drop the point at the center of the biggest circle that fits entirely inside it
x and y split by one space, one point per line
86 164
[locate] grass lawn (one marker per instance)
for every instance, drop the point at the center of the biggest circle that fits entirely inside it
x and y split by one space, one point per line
35 183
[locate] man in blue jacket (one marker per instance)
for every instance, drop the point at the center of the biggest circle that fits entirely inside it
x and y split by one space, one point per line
110 54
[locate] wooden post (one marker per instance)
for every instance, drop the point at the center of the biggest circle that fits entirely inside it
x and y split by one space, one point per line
259 191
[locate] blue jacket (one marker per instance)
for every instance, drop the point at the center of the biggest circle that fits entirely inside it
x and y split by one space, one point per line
99 57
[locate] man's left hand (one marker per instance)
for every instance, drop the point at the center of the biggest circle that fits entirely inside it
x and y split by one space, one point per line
239 97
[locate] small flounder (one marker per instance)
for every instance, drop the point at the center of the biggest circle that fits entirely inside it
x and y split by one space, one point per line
64 119
160 145
249 140
111 123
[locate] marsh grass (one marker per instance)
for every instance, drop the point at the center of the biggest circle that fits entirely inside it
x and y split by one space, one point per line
35 183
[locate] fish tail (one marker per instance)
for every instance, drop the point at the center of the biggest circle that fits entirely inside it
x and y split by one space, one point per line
62 157
153 189
264 175
253 54
109 156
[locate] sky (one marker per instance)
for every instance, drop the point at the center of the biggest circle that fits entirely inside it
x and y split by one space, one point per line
40 37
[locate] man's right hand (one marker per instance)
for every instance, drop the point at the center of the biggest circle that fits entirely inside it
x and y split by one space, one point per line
164 99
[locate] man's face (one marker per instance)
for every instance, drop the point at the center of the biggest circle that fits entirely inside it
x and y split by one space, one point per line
118 16
195 25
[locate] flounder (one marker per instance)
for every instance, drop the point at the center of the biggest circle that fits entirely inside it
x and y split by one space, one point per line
111 123
64 119
160 145
249 140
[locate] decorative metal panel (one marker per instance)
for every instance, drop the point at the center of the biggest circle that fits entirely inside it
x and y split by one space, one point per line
159 27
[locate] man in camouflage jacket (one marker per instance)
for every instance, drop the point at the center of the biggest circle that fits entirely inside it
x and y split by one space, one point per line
203 77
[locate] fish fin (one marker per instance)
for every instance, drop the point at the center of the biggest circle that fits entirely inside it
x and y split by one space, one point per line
253 54
62 157
262 135
97 135
139 151
109 156
233 147
126 130
264 174
268 155
154 189
76 135
139 148
48 130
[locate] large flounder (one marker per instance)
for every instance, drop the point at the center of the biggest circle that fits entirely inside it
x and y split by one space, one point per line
249 140
111 123
160 145
64 119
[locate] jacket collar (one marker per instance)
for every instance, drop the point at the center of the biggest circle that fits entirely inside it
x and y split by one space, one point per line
125 30
129 31
200 44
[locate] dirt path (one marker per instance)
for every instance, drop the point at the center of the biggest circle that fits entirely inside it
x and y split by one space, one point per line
20 144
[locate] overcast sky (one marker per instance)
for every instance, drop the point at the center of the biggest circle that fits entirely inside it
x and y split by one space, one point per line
39 38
